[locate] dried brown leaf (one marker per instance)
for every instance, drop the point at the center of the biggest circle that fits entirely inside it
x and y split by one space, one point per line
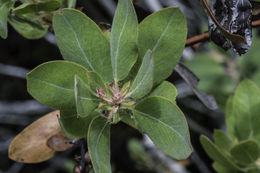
30 146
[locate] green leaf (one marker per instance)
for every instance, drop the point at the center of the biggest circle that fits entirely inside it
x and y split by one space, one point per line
80 40
166 90
216 154
222 141
86 102
73 125
52 83
28 26
245 152
221 169
164 32
230 118
48 6
143 81
246 107
165 124
5 6
95 82
99 144
123 41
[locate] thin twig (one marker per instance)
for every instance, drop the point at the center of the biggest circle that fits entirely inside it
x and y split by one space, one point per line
205 37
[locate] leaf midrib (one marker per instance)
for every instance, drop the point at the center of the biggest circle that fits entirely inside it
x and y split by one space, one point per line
78 43
140 83
118 45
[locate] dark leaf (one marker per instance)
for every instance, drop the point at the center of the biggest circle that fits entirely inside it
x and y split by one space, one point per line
192 80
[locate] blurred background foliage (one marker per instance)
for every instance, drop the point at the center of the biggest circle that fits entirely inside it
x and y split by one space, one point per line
219 73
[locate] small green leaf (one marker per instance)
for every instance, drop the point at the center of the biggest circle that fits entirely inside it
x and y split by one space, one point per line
143 81
99 144
245 152
123 40
165 124
48 6
217 155
95 82
86 102
73 125
80 40
164 32
221 140
28 26
246 107
230 118
166 90
52 83
5 6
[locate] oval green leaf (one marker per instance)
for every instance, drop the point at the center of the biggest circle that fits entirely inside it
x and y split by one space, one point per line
246 107
99 144
165 124
28 26
143 81
80 40
164 32
123 40
222 141
52 83
245 152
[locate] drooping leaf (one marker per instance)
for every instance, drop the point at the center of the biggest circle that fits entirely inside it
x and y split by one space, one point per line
246 110
222 141
165 124
192 80
143 81
5 6
245 152
99 144
85 101
28 26
216 154
163 32
47 6
166 90
123 41
80 40
73 125
30 146
52 83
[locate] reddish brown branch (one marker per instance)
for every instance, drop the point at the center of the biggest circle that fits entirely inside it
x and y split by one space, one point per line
205 37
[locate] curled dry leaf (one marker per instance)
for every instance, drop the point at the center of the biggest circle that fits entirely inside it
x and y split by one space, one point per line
30 146
230 24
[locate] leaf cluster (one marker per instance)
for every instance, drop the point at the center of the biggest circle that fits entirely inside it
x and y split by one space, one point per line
239 152
102 82
31 18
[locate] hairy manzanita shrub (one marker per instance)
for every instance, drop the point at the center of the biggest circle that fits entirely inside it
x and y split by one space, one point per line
100 82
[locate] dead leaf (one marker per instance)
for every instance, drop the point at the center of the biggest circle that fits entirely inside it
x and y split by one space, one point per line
59 142
30 146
